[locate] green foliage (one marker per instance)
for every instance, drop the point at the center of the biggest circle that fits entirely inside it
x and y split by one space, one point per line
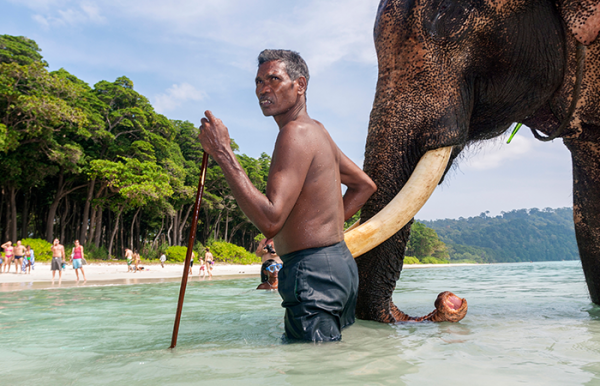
518 235
424 242
233 254
20 50
41 249
433 260
177 253
352 220
411 260
92 253
63 143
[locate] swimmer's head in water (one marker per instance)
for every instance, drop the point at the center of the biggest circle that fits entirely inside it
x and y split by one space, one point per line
264 273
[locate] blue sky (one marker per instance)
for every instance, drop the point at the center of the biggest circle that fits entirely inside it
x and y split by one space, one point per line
188 56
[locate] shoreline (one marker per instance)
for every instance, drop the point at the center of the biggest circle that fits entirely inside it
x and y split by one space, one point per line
109 273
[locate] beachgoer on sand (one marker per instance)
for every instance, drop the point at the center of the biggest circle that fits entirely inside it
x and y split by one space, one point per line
8 254
268 275
209 262
78 259
163 258
58 259
29 260
137 261
18 258
303 210
201 263
129 257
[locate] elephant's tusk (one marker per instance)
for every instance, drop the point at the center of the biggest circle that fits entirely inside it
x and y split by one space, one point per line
403 207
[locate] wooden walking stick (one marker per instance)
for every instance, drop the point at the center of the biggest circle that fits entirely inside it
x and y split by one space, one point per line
188 256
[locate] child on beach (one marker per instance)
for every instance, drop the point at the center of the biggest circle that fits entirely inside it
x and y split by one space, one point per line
201 263
163 258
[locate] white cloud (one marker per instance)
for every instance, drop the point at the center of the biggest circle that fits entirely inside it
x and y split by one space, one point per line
324 32
175 96
59 14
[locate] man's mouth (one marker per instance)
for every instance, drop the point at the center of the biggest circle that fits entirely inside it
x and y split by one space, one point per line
265 102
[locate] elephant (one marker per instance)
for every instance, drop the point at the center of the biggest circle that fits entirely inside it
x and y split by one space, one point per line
455 72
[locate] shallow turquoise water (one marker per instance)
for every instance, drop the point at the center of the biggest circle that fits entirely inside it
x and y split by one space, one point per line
527 323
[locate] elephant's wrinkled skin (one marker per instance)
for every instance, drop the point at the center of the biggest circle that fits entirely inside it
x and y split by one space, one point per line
452 72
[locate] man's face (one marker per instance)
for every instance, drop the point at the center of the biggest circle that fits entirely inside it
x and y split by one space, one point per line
276 92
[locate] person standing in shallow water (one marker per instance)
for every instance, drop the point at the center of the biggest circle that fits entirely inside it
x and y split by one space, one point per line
268 275
303 210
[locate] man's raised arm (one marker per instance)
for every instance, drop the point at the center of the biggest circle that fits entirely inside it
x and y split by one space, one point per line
287 174
360 186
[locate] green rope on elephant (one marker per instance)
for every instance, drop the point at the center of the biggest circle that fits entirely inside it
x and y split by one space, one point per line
514 132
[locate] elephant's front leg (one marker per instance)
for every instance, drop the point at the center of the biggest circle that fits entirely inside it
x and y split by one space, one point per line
586 209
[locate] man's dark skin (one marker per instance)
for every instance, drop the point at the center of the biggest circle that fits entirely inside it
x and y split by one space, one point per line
303 207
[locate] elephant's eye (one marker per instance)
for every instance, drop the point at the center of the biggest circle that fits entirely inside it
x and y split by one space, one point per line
447 20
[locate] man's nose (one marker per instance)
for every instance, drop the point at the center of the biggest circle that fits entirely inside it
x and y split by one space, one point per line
263 89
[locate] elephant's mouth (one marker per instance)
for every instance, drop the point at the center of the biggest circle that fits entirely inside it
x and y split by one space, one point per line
453 302
398 212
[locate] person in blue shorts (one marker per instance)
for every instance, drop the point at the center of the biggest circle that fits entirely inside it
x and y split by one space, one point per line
303 209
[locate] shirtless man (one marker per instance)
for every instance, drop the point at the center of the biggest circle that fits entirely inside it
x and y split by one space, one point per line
19 253
129 257
8 255
58 258
303 210
209 262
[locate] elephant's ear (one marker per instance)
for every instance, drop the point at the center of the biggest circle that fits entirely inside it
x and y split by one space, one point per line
582 17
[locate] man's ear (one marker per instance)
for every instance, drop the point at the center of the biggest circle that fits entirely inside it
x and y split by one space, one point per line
301 85
582 18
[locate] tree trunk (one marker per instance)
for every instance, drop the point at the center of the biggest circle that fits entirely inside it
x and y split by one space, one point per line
162 224
226 224
121 249
216 226
98 228
86 212
132 224
183 222
13 214
25 216
63 220
169 230
60 194
114 232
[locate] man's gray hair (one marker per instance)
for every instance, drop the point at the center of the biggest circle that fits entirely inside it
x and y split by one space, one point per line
294 64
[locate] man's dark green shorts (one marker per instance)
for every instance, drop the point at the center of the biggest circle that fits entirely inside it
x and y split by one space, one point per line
319 288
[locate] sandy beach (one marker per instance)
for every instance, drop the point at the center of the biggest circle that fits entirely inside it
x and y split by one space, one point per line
113 274
98 274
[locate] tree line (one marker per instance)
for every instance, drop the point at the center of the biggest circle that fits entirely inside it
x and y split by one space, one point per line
98 164
515 236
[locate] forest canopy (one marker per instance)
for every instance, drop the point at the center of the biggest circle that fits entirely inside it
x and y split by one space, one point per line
98 164
515 236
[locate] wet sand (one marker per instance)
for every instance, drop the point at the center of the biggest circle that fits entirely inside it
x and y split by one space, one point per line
103 274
